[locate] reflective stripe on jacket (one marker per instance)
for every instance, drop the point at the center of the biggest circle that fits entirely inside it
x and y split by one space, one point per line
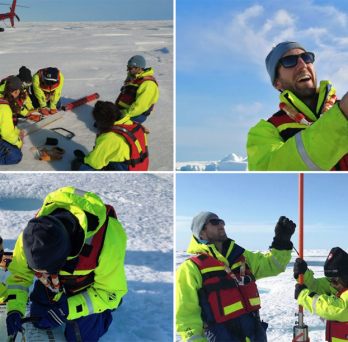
321 299
109 284
294 147
226 296
189 323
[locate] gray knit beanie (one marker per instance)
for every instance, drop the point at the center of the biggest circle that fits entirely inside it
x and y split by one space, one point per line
137 62
198 222
276 54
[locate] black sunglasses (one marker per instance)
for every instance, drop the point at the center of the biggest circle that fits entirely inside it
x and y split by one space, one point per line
333 281
216 222
292 60
129 67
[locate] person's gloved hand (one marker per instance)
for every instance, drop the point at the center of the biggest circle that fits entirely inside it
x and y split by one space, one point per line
53 111
283 232
300 267
298 289
13 322
44 111
57 315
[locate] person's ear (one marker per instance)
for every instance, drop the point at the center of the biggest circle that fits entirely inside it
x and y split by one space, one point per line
203 235
278 85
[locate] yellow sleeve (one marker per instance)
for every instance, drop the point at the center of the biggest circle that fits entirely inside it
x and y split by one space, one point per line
188 321
39 93
8 131
110 283
109 147
57 93
147 94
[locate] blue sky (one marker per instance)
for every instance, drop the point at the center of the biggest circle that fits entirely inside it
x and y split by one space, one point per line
222 87
87 10
251 204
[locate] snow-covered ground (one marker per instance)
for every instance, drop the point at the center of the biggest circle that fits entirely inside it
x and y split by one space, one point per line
144 206
93 57
232 162
278 306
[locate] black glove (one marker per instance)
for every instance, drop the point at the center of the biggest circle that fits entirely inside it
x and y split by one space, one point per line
298 289
300 267
283 232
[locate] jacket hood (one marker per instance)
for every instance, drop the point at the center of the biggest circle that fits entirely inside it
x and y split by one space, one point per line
87 207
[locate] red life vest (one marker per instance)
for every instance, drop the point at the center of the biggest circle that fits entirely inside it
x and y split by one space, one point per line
281 118
337 331
41 78
223 296
23 94
129 92
88 258
135 136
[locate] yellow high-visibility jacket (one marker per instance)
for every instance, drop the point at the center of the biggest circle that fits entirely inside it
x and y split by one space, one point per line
147 95
8 131
189 324
40 93
109 284
318 147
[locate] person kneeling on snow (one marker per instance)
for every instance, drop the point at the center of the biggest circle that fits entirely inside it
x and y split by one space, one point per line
139 92
11 138
121 144
68 246
47 90
326 297
24 99
216 293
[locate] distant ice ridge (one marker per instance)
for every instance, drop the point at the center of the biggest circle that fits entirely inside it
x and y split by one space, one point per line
231 162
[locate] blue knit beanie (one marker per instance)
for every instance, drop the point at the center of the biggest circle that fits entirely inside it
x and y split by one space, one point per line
276 54
198 222
46 244
137 61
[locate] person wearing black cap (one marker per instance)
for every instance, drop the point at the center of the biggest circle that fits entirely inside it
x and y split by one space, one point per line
326 297
288 140
11 138
139 92
47 90
68 246
23 99
217 299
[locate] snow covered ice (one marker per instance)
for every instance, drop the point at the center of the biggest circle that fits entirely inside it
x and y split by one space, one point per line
93 57
278 306
144 206
231 162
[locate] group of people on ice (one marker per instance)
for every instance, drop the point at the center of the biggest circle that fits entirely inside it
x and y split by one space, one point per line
67 247
121 144
217 298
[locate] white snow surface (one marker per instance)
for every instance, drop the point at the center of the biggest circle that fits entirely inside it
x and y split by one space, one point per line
231 162
93 57
144 206
278 306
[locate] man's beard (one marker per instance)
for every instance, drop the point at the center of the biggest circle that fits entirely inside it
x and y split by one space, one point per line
301 93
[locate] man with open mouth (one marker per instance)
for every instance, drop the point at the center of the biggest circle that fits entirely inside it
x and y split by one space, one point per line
294 139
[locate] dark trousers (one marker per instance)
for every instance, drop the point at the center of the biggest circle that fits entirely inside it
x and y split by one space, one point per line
9 154
252 328
92 327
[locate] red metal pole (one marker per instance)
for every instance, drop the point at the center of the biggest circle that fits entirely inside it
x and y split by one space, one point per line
300 232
